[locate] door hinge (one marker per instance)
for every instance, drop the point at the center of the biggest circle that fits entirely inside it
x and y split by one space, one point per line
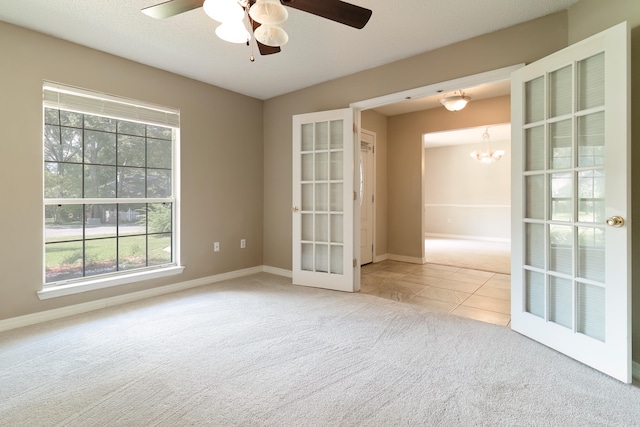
355 128
355 263
373 198
355 196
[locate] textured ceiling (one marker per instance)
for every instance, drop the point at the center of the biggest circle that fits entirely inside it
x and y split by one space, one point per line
318 50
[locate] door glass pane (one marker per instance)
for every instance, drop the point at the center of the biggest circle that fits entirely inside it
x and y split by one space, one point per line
591 140
336 228
590 305
307 197
534 197
322 228
307 167
306 257
561 141
560 92
336 197
322 197
322 136
534 100
560 248
337 266
534 147
336 173
591 196
534 293
561 196
591 253
561 301
307 226
322 258
307 137
321 166
591 82
336 134
534 251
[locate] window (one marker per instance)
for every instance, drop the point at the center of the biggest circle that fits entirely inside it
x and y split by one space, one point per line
110 184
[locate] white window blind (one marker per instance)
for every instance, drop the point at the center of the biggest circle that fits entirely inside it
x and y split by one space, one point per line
74 99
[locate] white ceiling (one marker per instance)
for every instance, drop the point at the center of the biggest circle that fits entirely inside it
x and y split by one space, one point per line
318 50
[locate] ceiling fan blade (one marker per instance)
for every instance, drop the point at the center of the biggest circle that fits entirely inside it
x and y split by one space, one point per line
335 10
263 48
171 8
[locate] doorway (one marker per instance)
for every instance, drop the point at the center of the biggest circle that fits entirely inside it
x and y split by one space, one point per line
467 199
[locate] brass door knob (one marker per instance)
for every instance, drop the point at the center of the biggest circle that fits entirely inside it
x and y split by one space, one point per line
615 221
294 209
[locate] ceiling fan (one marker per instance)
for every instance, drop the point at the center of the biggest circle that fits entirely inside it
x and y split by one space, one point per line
268 14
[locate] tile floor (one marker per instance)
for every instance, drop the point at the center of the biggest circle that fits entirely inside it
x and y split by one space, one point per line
475 294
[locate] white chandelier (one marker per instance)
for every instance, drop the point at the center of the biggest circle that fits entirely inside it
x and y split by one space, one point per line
486 154
270 14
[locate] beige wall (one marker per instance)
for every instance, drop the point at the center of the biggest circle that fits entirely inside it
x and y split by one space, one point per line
377 123
218 147
499 49
464 198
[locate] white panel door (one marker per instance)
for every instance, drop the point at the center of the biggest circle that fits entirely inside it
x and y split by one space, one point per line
324 200
571 202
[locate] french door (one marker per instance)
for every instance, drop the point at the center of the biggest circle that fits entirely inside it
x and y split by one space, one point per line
571 202
324 201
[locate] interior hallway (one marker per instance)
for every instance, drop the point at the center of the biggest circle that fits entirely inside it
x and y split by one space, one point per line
475 294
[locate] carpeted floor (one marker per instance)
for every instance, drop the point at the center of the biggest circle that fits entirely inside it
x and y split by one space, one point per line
258 351
472 254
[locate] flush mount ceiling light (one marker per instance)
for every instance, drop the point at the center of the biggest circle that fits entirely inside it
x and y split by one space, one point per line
486 154
455 102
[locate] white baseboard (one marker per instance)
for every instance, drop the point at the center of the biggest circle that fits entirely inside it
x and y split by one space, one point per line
380 258
277 271
464 237
58 313
403 258
635 370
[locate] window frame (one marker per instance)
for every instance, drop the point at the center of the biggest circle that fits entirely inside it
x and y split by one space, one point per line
67 98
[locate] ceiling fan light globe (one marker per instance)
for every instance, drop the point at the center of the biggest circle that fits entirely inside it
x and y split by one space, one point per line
271 35
233 32
268 12
223 10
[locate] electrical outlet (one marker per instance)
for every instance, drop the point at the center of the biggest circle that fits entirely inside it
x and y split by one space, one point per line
243 243
216 246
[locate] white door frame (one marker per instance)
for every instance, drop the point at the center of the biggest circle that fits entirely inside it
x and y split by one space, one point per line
373 188
434 89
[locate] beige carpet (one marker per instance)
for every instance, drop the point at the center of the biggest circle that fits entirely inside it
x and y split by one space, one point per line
258 351
473 254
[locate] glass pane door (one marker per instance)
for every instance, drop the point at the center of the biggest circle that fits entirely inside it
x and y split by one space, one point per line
323 205
322 180
570 172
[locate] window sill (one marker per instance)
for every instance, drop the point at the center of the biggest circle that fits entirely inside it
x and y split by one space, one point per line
107 282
